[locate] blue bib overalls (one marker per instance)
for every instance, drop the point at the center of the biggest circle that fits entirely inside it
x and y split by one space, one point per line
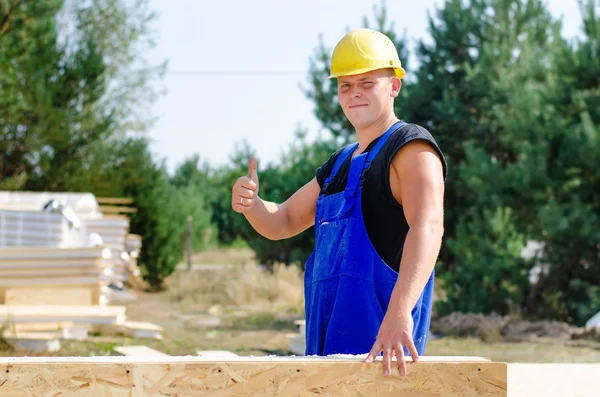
347 285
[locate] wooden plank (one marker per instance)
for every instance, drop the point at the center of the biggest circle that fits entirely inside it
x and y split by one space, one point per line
34 253
73 295
114 200
60 280
147 376
91 314
117 210
132 328
51 263
63 330
52 272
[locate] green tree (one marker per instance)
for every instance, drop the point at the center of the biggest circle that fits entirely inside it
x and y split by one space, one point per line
486 64
192 182
486 87
73 85
567 216
66 84
162 208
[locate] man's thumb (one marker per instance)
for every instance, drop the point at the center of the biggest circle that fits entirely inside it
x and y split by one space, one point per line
252 170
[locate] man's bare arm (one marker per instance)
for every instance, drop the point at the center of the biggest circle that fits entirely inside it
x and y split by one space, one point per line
273 220
418 185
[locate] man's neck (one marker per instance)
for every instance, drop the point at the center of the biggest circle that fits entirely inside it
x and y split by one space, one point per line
374 131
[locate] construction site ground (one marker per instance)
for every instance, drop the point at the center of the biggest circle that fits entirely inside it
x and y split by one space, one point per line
228 303
220 307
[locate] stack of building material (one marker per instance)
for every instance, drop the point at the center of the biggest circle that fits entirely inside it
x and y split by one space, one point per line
62 260
112 229
133 246
29 222
115 205
49 275
112 232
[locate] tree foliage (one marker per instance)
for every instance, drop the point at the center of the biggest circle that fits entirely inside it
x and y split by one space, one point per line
514 106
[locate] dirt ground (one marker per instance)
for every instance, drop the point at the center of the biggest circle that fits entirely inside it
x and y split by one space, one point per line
248 311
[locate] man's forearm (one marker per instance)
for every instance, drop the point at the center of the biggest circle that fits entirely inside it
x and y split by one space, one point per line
421 250
268 219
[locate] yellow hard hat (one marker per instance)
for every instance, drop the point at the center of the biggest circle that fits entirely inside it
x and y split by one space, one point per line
363 50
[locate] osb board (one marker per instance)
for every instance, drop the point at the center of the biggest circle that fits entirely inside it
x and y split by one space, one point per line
244 376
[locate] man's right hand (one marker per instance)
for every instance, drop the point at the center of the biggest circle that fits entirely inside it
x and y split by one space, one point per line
245 190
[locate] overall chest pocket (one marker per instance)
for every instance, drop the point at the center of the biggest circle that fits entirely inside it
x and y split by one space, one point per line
338 250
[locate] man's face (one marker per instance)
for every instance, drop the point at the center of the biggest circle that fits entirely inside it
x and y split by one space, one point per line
367 97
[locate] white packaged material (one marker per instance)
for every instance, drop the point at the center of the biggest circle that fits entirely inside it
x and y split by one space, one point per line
41 229
80 203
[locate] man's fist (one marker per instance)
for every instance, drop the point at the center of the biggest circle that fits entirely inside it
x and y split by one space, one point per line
245 189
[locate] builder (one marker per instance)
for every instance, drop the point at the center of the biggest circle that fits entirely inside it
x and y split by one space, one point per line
377 208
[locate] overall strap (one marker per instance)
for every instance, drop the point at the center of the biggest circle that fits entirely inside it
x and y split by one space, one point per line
363 161
373 153
347 152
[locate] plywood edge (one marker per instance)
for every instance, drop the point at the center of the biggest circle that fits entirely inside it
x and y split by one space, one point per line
425 360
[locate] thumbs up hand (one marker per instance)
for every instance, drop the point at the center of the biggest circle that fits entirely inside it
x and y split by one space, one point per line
245 189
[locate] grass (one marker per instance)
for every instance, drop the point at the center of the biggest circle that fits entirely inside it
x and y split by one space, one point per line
238 254
549 351
249 311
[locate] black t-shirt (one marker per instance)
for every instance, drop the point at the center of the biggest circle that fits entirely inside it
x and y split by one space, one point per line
383 216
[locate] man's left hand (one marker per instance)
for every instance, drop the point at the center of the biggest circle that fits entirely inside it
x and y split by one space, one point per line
395 332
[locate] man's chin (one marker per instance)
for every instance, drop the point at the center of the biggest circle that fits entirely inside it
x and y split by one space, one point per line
360 124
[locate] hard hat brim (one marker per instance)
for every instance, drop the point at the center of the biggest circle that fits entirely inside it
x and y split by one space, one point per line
400 72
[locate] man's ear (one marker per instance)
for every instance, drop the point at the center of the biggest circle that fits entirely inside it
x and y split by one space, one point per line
396 86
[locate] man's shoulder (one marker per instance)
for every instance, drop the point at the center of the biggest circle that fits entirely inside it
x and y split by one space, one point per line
413 133
410 130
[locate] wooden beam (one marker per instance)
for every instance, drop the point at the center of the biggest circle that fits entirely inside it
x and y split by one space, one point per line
114 200
107 209
246 376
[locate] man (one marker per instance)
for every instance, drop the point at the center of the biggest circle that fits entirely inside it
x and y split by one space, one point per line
377 208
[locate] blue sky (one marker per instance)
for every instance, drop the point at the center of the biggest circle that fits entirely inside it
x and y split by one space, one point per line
207 109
